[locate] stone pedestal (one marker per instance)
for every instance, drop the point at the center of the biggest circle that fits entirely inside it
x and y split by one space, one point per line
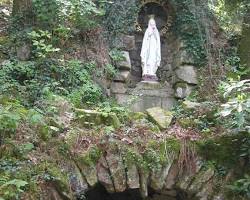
146 95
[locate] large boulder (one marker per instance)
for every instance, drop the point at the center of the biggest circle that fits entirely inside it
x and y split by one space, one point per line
89 172
144 176
117 171
200 179
92 117
160 117
128 42
78 184
103 174
158 177
122 76
125 64
184 57
24 52
189 105
187 73
118 88
133 179
183 90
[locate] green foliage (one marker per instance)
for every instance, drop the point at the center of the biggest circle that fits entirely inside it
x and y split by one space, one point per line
84 14
41 43
89 93
10 189
192 35
230 14
224 150
48 13
81 14
241 187
109 107
110 71
116 55
91 157
237 107
120 22
32 80
9 121
132 156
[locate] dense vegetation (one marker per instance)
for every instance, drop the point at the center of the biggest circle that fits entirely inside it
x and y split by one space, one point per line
44 83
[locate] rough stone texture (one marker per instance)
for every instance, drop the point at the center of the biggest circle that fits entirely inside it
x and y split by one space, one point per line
189 105
145 95
122 76
205 192
77 182
165 183
117 171
183 57
143 183
172 176
139 103
159 116
93 117
90 174
187 74
24 52
133 179
158 177
118 88
128 42
103 175
184 182
200 179
126 63
182 90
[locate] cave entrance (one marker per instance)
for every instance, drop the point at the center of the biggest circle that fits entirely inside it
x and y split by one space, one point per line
99 193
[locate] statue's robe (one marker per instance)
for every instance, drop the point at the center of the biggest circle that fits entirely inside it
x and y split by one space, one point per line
151 52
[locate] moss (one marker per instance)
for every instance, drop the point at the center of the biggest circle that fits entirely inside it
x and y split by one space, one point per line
137 115
162 152
186 122
52 172
91 157
224 150
132 156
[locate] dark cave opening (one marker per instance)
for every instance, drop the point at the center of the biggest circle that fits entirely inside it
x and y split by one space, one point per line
99 193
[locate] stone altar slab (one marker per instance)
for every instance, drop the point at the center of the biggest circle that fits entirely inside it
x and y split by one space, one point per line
146 95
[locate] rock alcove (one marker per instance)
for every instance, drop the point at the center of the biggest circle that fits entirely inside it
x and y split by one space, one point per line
177 73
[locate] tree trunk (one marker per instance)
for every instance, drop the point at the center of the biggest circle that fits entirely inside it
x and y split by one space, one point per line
244 46
21 6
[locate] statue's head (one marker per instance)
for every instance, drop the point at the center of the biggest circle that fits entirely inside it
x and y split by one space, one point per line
152 24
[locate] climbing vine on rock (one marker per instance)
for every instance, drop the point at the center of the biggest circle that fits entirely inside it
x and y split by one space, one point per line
119 18
188 27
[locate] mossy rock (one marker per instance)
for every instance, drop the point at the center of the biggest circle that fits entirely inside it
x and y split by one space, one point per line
93 117
160 117
137 115
186 122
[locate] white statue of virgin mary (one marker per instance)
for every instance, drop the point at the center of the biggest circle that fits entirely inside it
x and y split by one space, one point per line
151 52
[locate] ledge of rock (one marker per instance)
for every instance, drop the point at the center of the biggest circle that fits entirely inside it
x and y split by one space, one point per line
89 118
160 117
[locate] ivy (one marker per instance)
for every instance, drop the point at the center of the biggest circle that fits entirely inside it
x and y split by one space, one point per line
119 18
188 27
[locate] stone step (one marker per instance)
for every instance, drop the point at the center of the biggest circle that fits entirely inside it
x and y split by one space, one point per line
141 103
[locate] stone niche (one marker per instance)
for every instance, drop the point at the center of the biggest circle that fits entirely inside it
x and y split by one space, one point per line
177 73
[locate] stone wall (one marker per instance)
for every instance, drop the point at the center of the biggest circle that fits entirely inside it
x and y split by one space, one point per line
177 73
